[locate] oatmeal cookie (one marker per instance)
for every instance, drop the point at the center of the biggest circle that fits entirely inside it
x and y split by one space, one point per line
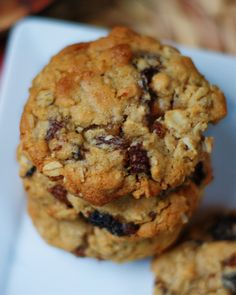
204 264
123 115
85 240
126 216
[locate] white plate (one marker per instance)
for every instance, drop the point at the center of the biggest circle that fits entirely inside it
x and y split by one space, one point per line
28 266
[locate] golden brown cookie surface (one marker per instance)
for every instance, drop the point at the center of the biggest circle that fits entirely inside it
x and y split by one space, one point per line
204 264
126 216
83 239
123 115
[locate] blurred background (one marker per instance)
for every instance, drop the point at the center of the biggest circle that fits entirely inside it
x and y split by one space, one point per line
199 23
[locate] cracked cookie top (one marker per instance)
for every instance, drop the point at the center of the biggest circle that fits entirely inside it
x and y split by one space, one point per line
123 115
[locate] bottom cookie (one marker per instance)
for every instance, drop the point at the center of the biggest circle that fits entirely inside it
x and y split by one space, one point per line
123 230
204 264
84 239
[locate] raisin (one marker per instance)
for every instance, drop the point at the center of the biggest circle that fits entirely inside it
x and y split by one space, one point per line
138 159
60 193
80 251
78 156
114 141
231 261
155 110
54 127
199 174
56 178
30 172
152 215
146 76
129 228
150 66
159 129
224 228
79 153
115 227
229 282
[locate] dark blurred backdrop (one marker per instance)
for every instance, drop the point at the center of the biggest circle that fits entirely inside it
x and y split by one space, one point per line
202 23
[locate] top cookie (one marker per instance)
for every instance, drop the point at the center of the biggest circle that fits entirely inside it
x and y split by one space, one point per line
123 115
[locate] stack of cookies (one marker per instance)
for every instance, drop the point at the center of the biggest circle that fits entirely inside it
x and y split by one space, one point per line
112 152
